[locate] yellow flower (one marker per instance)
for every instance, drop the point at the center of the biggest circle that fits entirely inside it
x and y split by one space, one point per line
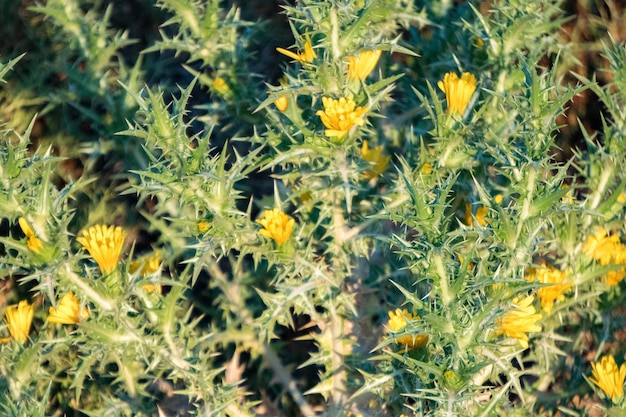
520 321
568 198
282 103
607 250
148 266
68 311
203 226
303 57
378 161
426 169
498 199
479 219
360 66
19 318
104 244
33 243
398 320
221 86
458 91
548 274
610 378
277 225
339 116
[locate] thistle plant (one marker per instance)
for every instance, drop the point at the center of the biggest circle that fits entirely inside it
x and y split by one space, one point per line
370 215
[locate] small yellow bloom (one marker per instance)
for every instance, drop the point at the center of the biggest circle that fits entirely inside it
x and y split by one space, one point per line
548 274
426 169
610 378
568 198
378 161
33 243
520 321
277 225
621 198
458 91
68 311
360 66
498 199
148 266
104 244
303 57
398 320
221 86
203 226
607 250
18 319
282 103
480 218
339 116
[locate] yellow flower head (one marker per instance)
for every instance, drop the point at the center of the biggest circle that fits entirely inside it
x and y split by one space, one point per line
480 218
520 321
33 243
221 86
378 161
610 378
68 311
276 225
282 103
203 226
398 320
19 318
426 169
548 274
458 91
339 116
303 57
607 250
148 266
360 66
104 244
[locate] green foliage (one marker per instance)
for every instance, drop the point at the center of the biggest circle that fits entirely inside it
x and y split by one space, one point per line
408 238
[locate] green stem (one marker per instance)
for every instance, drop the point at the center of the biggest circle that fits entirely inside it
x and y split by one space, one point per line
102 302
444 283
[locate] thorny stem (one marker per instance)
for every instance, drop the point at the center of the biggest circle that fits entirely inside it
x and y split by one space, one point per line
446 295
286 379
599 190
335 34
336 325
104 303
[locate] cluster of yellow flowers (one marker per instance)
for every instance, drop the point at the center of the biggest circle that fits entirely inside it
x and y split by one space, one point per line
523 318
607 250
340 115
19 318
104 244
